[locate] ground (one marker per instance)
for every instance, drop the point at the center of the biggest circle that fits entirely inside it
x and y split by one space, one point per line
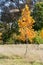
16 60
15 55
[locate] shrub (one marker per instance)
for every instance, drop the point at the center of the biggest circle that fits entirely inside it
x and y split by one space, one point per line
6 35
41 33
38 15
15 27
10 41
1 25
38 40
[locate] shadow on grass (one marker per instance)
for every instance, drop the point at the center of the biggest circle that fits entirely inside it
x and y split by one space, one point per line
4 57
10 57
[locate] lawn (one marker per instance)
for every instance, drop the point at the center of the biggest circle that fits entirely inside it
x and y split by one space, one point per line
15 60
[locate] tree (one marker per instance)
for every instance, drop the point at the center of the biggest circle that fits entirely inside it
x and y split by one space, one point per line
9 31
38 15
25 26
6 15
15 27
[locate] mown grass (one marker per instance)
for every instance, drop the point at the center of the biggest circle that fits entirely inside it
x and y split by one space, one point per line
15 60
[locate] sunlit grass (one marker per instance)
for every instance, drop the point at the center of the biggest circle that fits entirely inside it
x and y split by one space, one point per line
15 60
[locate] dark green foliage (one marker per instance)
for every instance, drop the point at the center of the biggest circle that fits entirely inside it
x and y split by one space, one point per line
6 17
38 15
6 35
9 31
1 25
10 41
15 27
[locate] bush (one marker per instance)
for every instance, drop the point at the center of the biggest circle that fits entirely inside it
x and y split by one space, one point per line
1 25
41 33
38 40
10 41
15 27
6 35
38 15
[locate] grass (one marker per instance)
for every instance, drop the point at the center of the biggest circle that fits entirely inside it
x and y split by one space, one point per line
15 60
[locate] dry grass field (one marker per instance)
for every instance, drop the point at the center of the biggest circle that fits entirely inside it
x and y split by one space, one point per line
15 55
16 60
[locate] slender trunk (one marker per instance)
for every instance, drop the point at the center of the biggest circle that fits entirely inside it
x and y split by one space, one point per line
26 45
